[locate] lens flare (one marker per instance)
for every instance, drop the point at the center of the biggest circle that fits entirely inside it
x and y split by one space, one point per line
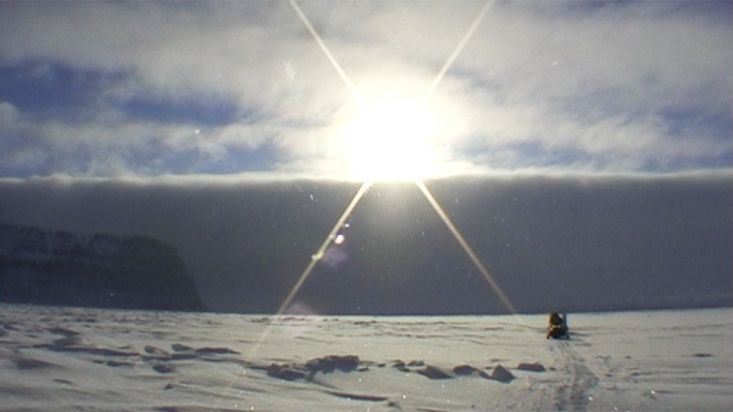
384 134
467 248
410 123
315 258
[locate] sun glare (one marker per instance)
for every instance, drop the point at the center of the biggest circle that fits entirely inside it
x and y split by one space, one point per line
390 140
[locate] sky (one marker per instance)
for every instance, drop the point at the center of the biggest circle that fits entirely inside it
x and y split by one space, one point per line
581 144
148 89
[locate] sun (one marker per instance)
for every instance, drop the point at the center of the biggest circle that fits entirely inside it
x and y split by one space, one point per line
391 140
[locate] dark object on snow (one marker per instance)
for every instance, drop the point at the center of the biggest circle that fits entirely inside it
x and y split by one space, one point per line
328 364
531 367
558 327
285 372
465 370
431 372
501 374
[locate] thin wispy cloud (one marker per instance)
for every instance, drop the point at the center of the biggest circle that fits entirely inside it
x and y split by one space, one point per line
150 89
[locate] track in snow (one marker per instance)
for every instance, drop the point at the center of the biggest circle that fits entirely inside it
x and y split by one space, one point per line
578 381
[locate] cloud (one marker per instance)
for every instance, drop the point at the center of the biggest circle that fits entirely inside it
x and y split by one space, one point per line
605 87
8 113
636 86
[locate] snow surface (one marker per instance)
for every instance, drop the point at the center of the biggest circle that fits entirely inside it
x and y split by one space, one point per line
55 359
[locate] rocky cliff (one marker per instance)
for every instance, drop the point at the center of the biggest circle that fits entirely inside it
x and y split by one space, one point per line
64 268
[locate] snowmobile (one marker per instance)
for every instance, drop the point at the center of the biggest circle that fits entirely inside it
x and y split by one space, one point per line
558 326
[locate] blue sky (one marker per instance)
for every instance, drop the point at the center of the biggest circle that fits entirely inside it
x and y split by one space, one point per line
147 89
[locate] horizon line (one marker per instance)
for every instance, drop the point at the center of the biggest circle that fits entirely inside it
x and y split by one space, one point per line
294 177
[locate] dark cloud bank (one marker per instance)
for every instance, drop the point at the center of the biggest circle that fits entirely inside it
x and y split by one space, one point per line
571 243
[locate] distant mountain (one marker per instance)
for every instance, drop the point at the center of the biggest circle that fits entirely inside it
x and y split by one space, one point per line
102 270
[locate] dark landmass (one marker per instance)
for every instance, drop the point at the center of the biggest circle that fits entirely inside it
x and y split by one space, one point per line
100 270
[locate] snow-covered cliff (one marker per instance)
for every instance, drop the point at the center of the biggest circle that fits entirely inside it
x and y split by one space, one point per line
64 268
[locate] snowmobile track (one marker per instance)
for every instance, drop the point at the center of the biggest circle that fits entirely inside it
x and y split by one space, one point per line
579 380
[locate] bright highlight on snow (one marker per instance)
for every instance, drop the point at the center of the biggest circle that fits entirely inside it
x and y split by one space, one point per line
391 140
